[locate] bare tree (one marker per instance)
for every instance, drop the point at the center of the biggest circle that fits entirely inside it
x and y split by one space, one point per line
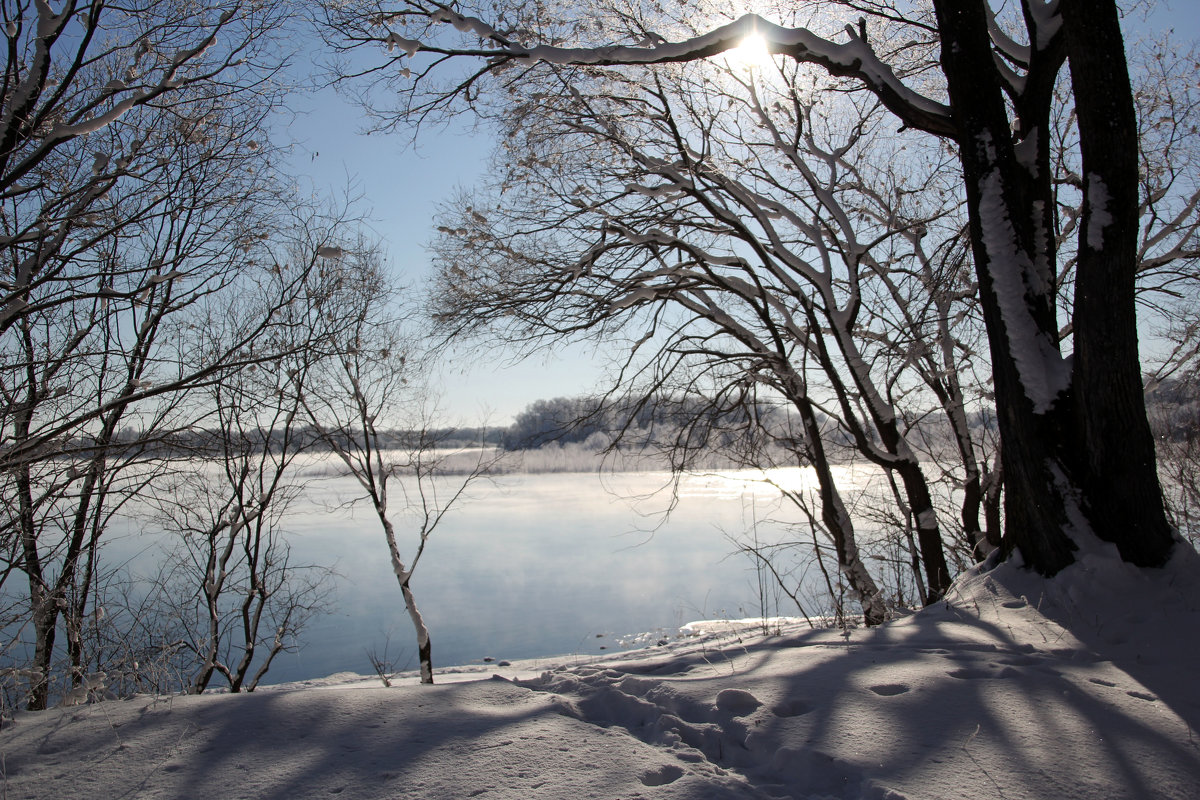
769 243
368 407
239 592
1076 444
217 482
136 188
1168 98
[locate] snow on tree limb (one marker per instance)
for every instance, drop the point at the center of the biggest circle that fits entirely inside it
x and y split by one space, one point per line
852 59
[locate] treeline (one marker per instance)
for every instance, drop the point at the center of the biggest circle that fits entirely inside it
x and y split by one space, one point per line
631 423
666 421
598 423
200 442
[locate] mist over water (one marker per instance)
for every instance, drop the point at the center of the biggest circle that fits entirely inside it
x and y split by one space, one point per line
536 565
532 565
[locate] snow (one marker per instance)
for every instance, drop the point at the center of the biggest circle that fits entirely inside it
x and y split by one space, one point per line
393 40
1097 194
855 55
1081 686
1045 374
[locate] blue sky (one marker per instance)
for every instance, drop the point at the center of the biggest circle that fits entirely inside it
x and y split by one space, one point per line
401 187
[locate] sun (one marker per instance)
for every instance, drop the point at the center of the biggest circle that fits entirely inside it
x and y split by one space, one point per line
752 52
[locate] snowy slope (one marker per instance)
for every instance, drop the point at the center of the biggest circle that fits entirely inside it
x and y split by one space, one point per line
1078 687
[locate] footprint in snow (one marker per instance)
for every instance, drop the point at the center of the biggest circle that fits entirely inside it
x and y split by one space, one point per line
667 773
889 689
737 702
791 708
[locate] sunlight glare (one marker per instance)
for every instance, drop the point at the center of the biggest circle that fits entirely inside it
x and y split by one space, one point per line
752 52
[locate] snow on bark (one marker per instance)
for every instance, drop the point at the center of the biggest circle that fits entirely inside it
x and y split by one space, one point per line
1043 371
394 40
1005 44
643 295
49 23
1026 151
1076 523
853 55
666 192
1047 20
853 58
1100 218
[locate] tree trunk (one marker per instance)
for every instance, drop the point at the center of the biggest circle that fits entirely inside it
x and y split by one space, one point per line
424 648
1114 448
45 624
403 576
899 456
1018 318
838 523
929 535
1074 446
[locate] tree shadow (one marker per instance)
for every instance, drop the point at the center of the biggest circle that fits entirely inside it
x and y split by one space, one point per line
986 697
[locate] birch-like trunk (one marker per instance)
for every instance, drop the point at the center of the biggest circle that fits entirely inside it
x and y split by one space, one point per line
424 652
403 576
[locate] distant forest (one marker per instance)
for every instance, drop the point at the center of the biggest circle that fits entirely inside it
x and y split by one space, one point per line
597 423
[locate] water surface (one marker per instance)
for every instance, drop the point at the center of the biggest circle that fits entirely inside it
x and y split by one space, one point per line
536 565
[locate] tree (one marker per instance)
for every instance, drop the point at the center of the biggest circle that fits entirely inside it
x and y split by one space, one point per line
137 187
750 217
1076 447
372 382
667 255
236 591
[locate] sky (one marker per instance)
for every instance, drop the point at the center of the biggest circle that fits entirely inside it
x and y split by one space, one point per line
401 186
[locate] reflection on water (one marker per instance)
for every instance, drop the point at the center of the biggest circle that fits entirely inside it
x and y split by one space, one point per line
534 565
538 565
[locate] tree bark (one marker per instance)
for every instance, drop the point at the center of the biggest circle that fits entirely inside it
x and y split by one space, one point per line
1115 460
838 523
1079 449
424 647
1017 315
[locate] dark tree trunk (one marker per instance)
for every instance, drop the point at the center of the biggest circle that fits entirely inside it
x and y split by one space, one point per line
1077 445
837 521
929 535
1115 465
1035 504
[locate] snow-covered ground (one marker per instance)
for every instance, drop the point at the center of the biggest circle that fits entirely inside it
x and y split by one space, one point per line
1079 687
